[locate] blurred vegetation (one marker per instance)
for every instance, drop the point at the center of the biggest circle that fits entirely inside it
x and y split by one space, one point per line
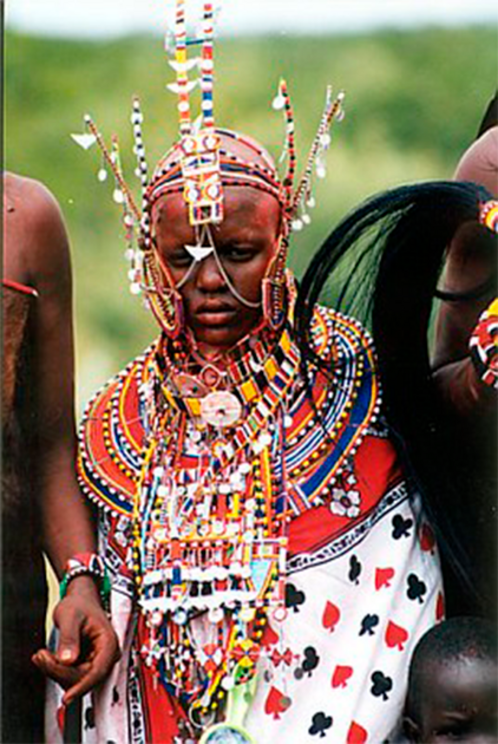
414 102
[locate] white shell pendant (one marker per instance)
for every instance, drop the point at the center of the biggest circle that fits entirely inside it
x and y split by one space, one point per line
221 409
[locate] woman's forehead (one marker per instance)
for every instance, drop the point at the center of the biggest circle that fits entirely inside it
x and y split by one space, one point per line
243 204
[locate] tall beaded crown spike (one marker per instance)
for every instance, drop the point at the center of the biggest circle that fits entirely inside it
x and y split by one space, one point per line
301 198
200 160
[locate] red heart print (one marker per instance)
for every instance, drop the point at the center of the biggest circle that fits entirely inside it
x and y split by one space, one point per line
356 734
341 675
331 616
276 703
383 577
396 636
427 538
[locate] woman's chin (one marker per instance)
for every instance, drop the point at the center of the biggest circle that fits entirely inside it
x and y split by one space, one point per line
220 338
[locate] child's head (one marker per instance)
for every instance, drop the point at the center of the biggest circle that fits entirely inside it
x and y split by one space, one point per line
452 686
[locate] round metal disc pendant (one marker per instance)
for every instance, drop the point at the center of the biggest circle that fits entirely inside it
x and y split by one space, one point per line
221 409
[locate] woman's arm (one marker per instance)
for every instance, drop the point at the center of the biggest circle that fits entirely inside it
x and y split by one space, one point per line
37 235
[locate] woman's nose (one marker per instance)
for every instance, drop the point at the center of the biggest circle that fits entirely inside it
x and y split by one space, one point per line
209 277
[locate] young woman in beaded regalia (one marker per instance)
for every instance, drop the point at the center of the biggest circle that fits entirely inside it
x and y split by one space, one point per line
271 565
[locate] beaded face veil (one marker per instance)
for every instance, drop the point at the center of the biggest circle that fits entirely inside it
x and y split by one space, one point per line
199 165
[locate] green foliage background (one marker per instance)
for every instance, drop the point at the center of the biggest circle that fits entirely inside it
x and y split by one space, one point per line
414 102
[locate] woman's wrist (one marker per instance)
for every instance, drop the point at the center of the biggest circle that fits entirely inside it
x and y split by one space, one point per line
82 571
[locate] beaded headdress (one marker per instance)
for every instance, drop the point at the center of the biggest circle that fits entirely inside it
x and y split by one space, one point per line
199 166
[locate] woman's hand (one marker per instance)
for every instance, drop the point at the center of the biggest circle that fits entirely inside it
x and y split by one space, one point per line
87 647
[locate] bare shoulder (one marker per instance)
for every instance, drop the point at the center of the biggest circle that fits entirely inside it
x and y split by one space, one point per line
30 199
36 240
479 163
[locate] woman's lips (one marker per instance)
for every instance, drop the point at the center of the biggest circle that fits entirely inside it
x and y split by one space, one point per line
215 315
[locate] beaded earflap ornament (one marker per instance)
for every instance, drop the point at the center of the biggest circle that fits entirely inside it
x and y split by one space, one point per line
198 166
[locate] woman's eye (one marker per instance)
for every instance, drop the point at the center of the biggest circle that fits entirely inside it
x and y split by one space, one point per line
237 253
179 260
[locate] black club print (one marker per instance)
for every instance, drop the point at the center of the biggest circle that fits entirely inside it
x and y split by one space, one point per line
401 527
368 624
294 597
320 724
416 588
311 661
381 685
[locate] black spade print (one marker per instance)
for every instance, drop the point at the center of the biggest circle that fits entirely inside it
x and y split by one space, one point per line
381 685
320 724
115 696
354 569
293 597
401 527
416 588
368 624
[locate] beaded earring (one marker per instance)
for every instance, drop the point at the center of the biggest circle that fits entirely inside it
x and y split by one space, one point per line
274 288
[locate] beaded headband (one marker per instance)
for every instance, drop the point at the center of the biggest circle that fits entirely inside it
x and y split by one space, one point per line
199 167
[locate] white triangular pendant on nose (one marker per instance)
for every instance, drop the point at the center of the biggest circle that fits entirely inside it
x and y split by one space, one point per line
199 252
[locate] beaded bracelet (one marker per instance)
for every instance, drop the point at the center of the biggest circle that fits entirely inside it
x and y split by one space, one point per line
89 564
483 345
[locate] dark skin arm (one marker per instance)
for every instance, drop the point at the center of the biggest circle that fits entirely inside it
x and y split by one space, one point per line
471 261
37 254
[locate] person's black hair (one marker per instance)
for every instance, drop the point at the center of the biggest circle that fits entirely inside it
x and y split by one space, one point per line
490 118
384 261
453 640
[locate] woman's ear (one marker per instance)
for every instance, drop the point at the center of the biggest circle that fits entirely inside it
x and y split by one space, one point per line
411 729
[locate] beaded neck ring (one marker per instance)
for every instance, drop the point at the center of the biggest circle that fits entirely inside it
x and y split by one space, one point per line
199 167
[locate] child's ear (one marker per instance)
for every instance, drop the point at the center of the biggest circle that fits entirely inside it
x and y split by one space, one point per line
411 729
